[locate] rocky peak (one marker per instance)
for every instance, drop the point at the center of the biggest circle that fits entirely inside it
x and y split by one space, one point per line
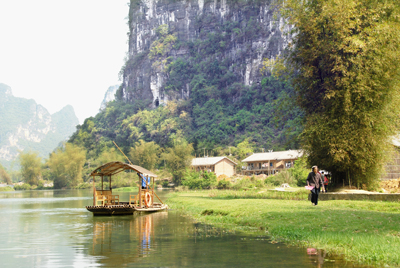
109 96
5 91
250 32
25 125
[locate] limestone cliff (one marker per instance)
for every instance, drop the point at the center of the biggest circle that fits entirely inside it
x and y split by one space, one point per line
109 96
26 125
238 35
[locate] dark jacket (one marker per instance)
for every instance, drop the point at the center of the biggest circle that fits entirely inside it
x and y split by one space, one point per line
315 179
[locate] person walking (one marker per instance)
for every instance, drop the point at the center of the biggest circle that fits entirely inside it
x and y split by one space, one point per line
315 179
326 182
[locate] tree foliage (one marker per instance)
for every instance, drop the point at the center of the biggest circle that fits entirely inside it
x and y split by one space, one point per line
145 154
345 55
178 159
4 176
199 180
66 165
30 163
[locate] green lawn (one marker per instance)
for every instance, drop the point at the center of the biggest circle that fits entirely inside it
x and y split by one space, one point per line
367 232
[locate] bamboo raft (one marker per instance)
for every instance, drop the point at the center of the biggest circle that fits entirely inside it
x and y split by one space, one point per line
124 208
110 204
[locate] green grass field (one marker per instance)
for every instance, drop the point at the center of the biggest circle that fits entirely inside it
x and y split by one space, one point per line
366 232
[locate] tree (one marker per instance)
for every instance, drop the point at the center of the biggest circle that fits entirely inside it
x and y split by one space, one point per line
108 155
4 175
243 149
66 165
145 154
345 58
178 159
30 163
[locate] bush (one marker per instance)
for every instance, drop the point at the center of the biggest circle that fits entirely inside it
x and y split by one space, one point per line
41 186
223 184
6 189
22 187
280 178
199 180
164 183
300 171
248 183
85 185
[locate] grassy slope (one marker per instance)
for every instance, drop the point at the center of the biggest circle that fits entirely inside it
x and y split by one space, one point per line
364 231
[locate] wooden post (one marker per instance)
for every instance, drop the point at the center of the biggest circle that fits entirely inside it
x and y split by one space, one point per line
140 190
94 192
152 197
110 184
102 183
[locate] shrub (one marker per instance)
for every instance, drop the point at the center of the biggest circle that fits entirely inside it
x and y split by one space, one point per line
248 183
6 189
85 185
199 180
281 178
223 184
300 171
22 187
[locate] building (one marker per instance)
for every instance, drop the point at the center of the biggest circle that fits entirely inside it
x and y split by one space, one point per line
271 162
220 165
392 167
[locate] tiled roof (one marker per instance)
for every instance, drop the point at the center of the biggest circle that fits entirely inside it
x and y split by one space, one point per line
291 154
209 161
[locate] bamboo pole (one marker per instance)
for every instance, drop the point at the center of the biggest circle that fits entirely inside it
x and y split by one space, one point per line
122 153
94 192
140 191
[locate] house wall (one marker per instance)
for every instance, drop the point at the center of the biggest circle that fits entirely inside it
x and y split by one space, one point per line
225 167
392 169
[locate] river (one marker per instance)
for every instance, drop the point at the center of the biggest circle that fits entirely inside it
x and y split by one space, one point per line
53 229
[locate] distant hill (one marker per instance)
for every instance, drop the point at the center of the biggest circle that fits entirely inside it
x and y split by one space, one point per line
25 125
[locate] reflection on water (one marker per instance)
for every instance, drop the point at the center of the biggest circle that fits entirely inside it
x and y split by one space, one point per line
125 239
53 229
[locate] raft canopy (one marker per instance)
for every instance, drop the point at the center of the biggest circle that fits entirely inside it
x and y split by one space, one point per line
112 168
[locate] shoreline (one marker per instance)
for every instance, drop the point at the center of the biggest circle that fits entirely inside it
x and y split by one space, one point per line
364 232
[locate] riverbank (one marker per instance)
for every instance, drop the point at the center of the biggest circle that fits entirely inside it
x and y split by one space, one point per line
366 232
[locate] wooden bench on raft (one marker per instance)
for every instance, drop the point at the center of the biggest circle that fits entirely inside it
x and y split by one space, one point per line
135 199
106 197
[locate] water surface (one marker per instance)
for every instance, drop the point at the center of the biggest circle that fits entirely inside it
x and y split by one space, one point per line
53 229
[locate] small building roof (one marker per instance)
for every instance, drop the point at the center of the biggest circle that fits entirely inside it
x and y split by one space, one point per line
290 154
112 168
209 161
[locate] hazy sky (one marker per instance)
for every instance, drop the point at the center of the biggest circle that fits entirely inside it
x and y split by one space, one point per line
63 52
